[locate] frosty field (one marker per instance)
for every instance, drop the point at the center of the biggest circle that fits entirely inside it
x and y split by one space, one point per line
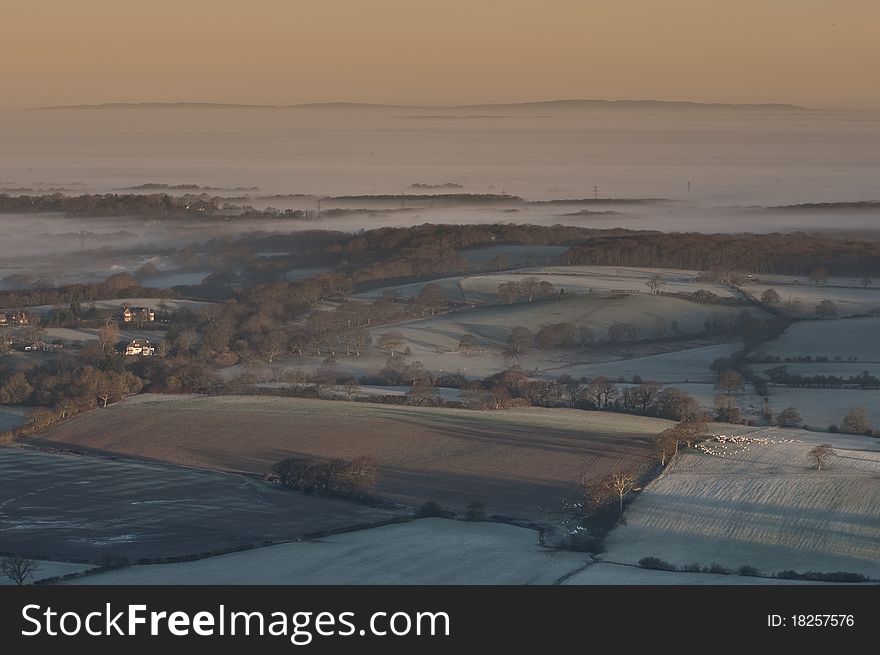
586 279
70 507
845 338
849 299
426 551
519 462
762 505
11 417
491 325
50 569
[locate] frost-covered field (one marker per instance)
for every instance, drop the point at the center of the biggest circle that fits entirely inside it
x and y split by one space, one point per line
839 368
690 365
451 287
849 299
50 569
846 338
608 573
823 407
653 316
427 551
69 335
761 504
818 408
72 507
11 416
520 462
169 304
583 279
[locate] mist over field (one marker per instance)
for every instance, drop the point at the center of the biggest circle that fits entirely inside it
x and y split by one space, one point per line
705 169
732 156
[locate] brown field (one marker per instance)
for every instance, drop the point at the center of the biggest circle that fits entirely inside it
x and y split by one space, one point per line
519 462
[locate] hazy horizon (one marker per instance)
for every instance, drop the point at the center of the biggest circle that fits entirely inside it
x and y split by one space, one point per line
801 52
183 102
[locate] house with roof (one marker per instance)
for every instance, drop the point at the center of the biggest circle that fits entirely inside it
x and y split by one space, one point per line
42 346
140 348
14 318
138 315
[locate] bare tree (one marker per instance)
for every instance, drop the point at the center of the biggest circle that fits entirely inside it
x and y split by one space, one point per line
352 387
655 284
520 339
622 331
390 341
273 344
108 335
534 289
856 421
788 417
826 309
818 276
600 392
821 454
667 444
620 485
468 344
18 569
585 336
357 339
727 410
770 297
730 381
509 292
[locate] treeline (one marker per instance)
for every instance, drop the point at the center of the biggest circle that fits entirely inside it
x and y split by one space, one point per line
781 375
337 477
58 393
825 206
110 204
792 254
430 249
569 335
120 285
434 197
367 257
514 387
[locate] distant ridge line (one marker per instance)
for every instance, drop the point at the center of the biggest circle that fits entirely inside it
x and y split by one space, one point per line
573 104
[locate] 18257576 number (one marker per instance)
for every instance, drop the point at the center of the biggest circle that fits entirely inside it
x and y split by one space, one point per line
822 620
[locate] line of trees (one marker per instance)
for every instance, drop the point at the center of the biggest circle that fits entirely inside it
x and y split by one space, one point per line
529 289
355 478
782 376
514 387
793 254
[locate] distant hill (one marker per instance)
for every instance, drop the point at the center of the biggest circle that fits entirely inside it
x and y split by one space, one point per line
161 105
578 104
542 105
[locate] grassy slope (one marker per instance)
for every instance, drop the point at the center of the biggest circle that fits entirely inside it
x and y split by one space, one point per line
516 461
428 551
762 506
492 324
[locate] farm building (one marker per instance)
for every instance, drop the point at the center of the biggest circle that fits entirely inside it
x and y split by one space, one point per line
42 346
138 315
140 348
15 318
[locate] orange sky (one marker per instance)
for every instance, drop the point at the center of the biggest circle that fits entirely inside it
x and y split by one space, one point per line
811 52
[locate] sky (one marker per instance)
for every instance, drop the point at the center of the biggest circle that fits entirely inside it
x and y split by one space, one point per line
820 53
